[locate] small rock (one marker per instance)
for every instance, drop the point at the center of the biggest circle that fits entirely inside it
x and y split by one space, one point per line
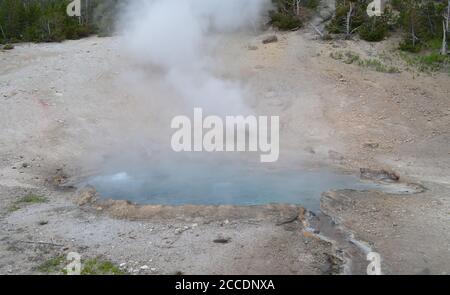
252 47
145 267
270 39
222 240
379 175
372 145
335 156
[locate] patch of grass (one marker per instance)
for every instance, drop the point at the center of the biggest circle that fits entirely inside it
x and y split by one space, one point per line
94 266
378 66
98 266
434 44
8 47
350 57
32 199
52 265
26 200
408 46
431 62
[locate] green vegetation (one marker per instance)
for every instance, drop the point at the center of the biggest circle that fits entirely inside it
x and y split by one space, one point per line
431 62
285 21
97 266
291 14
32 199
26 200
378 66
351 17
372 64
375 29
52 265
47 21
422 23
8 47
94 266
419 20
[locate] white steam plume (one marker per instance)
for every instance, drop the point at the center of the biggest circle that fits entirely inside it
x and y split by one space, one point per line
176 36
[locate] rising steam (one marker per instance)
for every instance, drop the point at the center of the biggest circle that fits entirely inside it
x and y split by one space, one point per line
167 66
177 36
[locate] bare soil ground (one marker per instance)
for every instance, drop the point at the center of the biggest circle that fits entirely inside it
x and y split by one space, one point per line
58 100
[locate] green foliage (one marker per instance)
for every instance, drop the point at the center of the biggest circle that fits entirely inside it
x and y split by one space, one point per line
285 21
311 4
52 265
431 62
32 199
338 25
97 266
8 47
94 266
47 21
26 200
287 16
421 21
408 45
373 30
376 28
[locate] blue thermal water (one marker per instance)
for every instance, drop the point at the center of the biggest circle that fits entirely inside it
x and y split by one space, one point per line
223 184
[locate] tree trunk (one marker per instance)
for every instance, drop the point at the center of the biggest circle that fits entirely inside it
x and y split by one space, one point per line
3 32
444 40
86 12
413 33
448 16
349 18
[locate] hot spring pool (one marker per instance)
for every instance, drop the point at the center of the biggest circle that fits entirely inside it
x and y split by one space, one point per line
220 185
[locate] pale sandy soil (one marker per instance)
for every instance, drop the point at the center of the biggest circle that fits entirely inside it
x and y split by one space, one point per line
63 112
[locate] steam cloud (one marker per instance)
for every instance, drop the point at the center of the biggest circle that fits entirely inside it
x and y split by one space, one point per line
177 36
166 66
